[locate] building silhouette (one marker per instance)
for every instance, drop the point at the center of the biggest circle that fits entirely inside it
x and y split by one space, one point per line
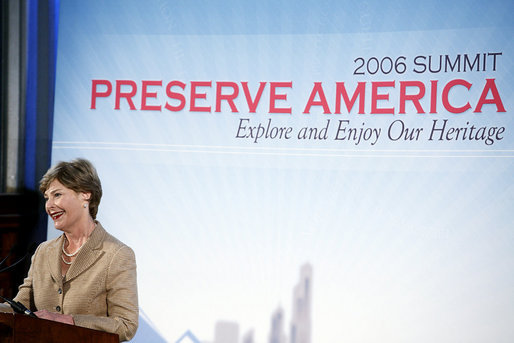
300 329
301 316
226 332
248 337
277 334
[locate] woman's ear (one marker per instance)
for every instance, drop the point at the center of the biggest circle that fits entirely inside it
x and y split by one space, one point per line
86 196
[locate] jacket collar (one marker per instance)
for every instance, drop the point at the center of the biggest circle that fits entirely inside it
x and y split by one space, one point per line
87 255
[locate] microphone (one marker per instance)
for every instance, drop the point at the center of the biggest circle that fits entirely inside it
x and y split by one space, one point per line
18 307
31 250
6 257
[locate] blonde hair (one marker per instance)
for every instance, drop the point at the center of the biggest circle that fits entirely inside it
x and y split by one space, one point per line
78 175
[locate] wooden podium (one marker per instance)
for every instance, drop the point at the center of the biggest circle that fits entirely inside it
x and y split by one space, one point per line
20 328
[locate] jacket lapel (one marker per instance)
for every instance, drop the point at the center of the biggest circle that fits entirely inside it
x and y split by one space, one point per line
88 254
54 260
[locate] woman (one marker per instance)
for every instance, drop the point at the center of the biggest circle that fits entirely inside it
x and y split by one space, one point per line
85 277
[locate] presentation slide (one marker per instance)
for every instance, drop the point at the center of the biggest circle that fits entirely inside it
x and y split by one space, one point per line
300 171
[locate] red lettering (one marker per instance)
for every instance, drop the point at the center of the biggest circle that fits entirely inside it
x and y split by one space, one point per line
145 94
228 91
375 97
490 85
227 97
176 96
252 104
433 96
195 96
446 92
404 97
127 95
95 93
359 92
273 97
317 90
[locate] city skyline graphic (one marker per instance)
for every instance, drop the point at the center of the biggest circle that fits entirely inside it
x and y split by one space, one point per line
299 329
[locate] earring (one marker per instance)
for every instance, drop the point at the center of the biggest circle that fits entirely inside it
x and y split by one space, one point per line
85 205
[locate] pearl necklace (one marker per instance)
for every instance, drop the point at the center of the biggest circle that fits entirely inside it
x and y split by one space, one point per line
66 262
64 251
69 255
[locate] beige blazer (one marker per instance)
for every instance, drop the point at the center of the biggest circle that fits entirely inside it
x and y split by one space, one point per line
99 289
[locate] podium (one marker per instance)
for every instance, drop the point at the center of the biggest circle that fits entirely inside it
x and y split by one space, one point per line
19 328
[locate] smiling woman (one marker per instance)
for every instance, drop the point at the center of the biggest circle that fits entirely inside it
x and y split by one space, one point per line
85 277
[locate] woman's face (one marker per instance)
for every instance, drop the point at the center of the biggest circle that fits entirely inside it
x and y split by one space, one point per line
65 206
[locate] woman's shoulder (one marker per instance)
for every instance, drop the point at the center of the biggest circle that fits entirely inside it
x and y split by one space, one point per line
49 244
113 244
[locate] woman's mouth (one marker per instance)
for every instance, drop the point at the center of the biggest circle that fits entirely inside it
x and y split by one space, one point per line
57 215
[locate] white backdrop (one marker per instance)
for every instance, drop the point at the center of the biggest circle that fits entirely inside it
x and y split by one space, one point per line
409 239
